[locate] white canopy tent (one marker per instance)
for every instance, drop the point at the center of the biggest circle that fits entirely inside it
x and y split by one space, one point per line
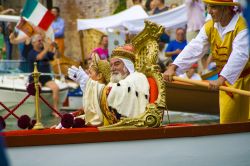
174 18
133 19
135 12
9 18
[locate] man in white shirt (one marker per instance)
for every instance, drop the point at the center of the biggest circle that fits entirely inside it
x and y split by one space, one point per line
227 36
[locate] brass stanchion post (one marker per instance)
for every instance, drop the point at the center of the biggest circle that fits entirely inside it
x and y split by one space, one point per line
36 76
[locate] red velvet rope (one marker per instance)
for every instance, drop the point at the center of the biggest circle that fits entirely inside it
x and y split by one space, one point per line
11 112
17 106
8 110
53 109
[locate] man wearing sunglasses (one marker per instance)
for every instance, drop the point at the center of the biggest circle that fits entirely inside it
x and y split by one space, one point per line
43 52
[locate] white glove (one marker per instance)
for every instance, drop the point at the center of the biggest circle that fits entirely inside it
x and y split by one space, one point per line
72 72
77 74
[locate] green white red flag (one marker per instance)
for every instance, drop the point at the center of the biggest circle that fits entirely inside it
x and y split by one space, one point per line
37 14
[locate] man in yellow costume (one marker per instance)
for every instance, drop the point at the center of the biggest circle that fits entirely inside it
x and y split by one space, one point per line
126 95
226 35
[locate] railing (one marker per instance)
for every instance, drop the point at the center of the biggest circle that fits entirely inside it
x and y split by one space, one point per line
24 121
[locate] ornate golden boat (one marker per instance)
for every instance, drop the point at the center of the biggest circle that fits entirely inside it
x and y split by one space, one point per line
147 126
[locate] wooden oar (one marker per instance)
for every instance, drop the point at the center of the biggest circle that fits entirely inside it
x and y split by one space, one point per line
206 84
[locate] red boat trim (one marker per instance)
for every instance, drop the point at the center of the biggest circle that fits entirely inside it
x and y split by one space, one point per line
93 135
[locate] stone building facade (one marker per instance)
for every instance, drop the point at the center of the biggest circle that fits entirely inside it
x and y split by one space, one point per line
71 10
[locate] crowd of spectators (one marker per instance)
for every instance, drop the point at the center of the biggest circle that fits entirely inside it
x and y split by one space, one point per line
173 41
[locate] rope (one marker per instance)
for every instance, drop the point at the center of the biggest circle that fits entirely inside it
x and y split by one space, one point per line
8 111
53 109
16 107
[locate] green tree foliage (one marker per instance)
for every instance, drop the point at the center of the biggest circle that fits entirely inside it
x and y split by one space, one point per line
122 6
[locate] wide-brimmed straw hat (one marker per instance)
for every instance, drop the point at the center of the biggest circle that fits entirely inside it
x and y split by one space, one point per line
222 2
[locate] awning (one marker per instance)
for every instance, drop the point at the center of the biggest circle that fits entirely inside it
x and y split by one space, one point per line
174 18
9 18
133 19
135 12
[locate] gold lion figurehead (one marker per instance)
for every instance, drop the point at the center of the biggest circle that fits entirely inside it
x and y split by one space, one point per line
124 52
103 67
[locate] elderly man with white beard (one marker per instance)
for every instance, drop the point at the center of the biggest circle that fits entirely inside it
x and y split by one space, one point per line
126 95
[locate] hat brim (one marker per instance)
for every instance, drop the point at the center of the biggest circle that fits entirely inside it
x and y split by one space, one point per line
211 2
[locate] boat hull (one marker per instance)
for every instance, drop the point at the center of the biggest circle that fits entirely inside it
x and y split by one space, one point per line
93 135
189 98
194 151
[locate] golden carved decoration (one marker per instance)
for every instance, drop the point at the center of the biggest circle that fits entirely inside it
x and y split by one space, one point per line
146 54
150 118
146 45
107 113
147 50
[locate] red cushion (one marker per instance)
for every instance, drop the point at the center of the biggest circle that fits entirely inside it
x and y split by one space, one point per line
153 91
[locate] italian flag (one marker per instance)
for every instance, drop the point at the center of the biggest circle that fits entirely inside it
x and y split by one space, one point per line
37 14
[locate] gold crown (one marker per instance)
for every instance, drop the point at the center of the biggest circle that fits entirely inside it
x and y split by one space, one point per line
126 52
103 67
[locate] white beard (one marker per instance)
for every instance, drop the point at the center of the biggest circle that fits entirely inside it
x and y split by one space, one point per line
115 78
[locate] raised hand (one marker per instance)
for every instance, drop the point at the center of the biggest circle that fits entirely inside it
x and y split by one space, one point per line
77 74
72 73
